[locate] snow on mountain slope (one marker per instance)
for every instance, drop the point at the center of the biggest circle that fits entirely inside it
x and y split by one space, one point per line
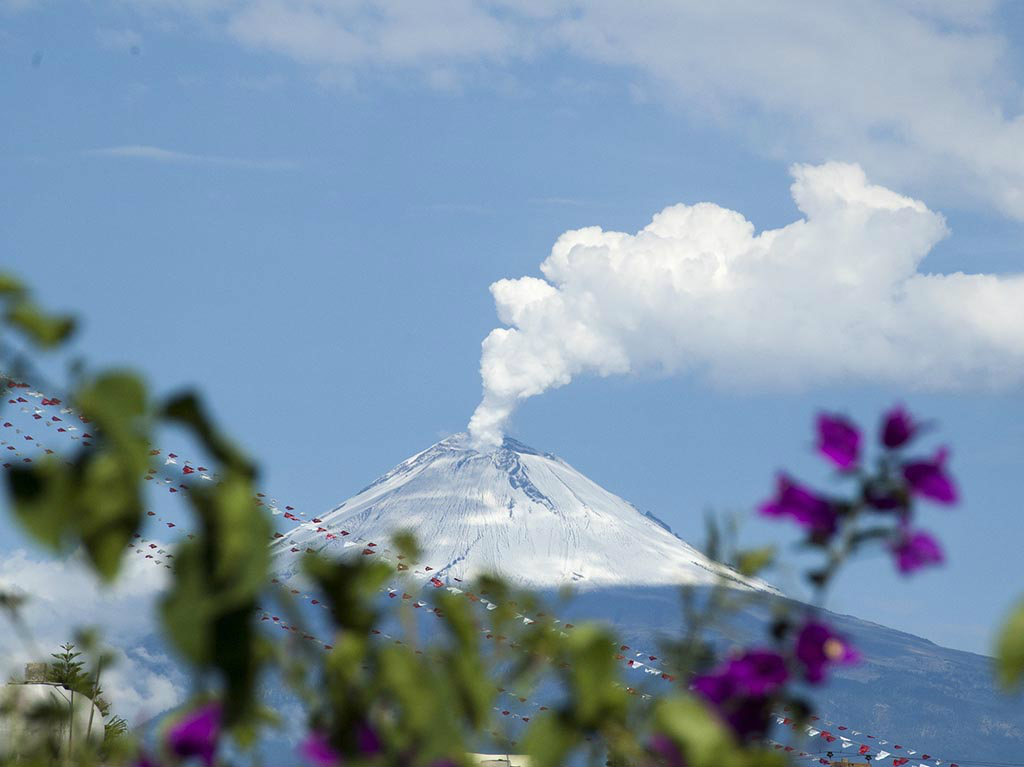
516 512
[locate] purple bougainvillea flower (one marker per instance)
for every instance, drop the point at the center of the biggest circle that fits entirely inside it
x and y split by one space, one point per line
740 690
810 510
197 733
929 478
667 750
838 440
318 750
755 673
717 687
817 646
366 740
898 428
749 717
758 672
916 550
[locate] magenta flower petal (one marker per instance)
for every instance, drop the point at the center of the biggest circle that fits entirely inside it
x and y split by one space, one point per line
817 646
366 740
318 750
197 733
808 509
838 440
716 687
898 428
916 550
667 750
758 672
929 478
740 690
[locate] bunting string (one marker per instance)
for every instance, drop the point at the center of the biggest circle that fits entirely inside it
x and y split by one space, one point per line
22 445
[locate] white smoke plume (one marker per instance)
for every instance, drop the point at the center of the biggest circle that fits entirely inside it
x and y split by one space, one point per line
836 295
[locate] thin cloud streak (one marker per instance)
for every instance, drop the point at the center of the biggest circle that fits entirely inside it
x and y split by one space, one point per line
169 156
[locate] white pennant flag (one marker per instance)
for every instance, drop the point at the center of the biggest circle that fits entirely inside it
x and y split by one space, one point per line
881 755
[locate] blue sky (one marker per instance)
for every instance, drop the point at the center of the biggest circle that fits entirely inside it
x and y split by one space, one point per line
299 207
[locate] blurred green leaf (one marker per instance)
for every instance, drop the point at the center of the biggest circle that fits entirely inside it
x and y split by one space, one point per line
1010 650
209 611
187 410
405 543
43 500
549 740
753 561
705 740
94 501
10 285
45 330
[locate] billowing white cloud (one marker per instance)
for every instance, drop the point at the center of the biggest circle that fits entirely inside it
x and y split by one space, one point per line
925 95
836 295
63 595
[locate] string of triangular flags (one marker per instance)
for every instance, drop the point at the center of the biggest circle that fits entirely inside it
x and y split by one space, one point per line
62 422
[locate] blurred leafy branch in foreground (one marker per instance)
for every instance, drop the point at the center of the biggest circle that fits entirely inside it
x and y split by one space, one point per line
428 701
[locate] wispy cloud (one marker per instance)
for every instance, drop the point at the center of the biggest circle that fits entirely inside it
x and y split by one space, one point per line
170 156
921 94
119 40
63 595
460 207
569 202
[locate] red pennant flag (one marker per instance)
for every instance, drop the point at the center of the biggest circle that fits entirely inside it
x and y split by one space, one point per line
863 749
187 470
437 583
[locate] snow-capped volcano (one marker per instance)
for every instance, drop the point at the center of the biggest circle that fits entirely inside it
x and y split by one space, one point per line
513 511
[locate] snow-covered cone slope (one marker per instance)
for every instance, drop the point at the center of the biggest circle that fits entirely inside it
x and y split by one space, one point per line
516 512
